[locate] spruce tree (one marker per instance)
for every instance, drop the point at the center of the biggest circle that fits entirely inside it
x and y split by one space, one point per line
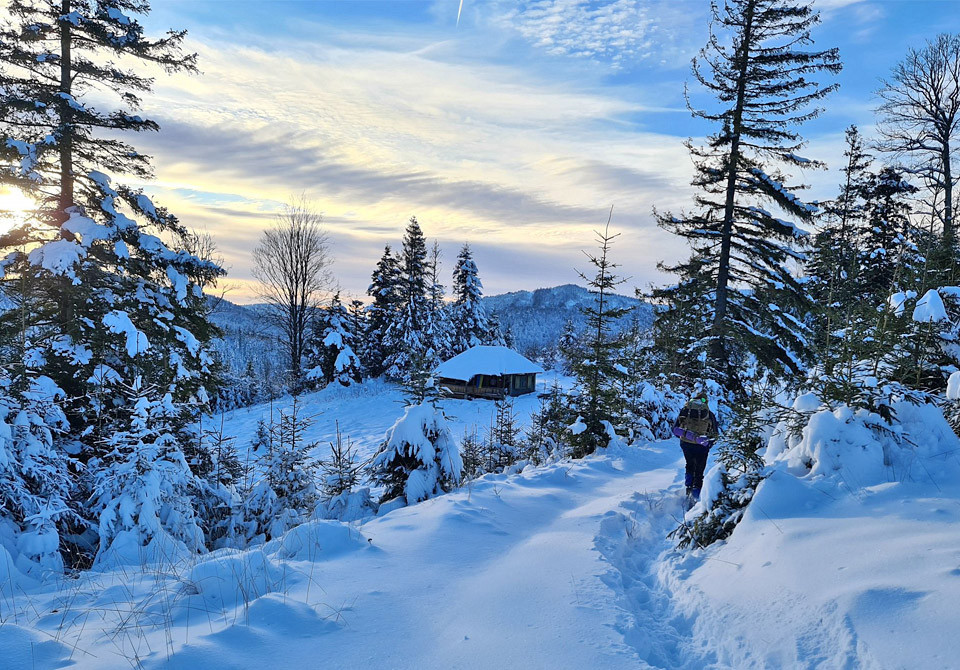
470 323
472 454
503 439
380 340
548 432
37 492
143 486
889 255
358 331
106 287
759 70
285 493
833 263
110 297
331 345
598 372
569 345
496 338
419 457
340 474
440 332
683 318
411 326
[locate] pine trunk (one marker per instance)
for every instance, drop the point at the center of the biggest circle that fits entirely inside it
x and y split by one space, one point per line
66 116
726 234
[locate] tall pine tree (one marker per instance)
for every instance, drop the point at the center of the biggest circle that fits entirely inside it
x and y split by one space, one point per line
105 286
759 70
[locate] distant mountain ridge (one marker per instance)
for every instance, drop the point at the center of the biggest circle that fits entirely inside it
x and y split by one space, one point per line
536 318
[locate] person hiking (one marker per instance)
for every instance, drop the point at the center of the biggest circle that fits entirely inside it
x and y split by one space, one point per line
697 428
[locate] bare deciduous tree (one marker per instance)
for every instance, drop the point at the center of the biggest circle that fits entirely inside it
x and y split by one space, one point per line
292 264
920 119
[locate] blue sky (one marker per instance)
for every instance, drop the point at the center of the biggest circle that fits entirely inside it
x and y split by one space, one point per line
514 130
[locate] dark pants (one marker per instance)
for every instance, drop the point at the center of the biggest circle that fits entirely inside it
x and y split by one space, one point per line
696 456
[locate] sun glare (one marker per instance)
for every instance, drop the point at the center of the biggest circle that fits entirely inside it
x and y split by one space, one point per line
14 206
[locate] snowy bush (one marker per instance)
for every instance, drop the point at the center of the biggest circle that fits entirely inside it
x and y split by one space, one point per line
36 489
419 457
142 488
285 492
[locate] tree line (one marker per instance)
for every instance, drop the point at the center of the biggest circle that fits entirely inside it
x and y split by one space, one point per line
408 324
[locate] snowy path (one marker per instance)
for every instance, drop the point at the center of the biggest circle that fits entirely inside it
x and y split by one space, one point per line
505 575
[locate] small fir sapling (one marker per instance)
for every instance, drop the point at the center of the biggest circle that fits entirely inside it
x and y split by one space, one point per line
285 493
472 453
340 497
502 438
598 372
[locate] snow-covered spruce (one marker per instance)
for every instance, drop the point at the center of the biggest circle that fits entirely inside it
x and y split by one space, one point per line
410 328
37 495
332 346
104 287
468 314
142 487
419 458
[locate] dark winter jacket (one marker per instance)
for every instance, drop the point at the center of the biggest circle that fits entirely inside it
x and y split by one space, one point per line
699 413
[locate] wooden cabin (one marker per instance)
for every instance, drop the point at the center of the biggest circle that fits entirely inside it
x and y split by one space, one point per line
488 372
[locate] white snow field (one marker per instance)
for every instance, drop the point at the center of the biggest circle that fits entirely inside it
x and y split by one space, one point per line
561 566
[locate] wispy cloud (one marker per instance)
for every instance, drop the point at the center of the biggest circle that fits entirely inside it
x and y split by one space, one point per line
619 32
493 154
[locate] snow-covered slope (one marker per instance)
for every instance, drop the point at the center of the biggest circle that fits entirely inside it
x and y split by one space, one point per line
502 574
563 566
364 412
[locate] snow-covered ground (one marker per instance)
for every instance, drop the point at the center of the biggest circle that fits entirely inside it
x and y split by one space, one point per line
365 412
563 566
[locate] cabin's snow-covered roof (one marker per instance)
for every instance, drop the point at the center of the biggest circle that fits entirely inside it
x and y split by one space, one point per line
484 360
